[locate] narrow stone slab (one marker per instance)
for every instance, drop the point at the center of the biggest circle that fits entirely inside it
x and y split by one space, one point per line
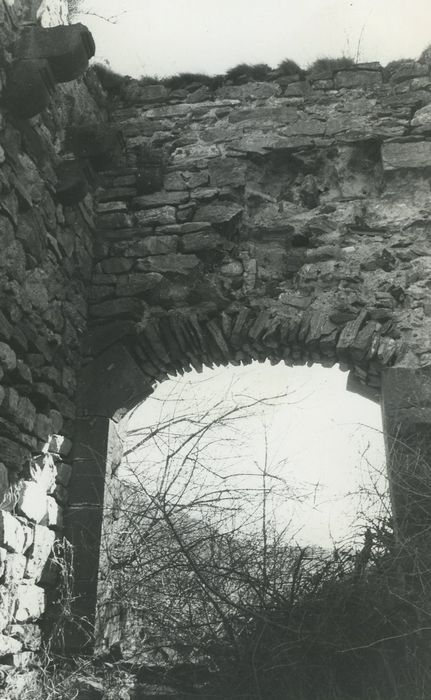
160 199
175 263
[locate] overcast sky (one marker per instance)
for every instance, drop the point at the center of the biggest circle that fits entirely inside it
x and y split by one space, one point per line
324 435
161 37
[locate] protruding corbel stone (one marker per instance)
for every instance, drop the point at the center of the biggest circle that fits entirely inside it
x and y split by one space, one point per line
68 49
30 84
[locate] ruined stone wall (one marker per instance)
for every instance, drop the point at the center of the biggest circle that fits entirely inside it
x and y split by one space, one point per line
45 268
286 220
290 217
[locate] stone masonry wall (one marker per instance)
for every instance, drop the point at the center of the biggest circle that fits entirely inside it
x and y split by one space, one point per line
45 269
287 219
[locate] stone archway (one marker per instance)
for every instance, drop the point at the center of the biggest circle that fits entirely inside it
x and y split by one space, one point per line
255 222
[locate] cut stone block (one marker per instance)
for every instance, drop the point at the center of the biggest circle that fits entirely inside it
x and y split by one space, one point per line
12 534
15 566
32 502
358 79
60 445
42 546
7 357
415 154
30 603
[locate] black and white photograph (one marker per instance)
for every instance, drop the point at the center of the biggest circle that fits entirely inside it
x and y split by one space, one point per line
215 350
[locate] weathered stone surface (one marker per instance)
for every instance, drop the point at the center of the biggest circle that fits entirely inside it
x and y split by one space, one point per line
170 263
30 603
7 357
12 534
144 94
138 283
358 79
250 91
413 154
151 245
114 266
203 240
156 217
14 568
218 213
160 199
43 472
12 454
227 171
43 543
32 502
422 118
61 445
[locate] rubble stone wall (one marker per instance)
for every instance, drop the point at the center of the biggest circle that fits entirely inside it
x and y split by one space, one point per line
45 268
286 220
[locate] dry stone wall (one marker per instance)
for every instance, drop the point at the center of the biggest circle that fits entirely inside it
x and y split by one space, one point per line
45 269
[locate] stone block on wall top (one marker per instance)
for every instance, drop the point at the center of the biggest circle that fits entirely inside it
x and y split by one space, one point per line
358 79
67 48
29 86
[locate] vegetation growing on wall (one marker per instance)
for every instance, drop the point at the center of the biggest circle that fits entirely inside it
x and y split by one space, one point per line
330 65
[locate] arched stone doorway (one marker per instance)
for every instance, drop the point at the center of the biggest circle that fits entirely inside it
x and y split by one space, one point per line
256 222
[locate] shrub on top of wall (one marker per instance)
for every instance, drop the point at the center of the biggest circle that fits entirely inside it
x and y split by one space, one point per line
183 80
111 82
330 65
244 72
289 67
149 80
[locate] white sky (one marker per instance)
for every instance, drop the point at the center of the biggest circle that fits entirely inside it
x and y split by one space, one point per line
162 37
320 431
